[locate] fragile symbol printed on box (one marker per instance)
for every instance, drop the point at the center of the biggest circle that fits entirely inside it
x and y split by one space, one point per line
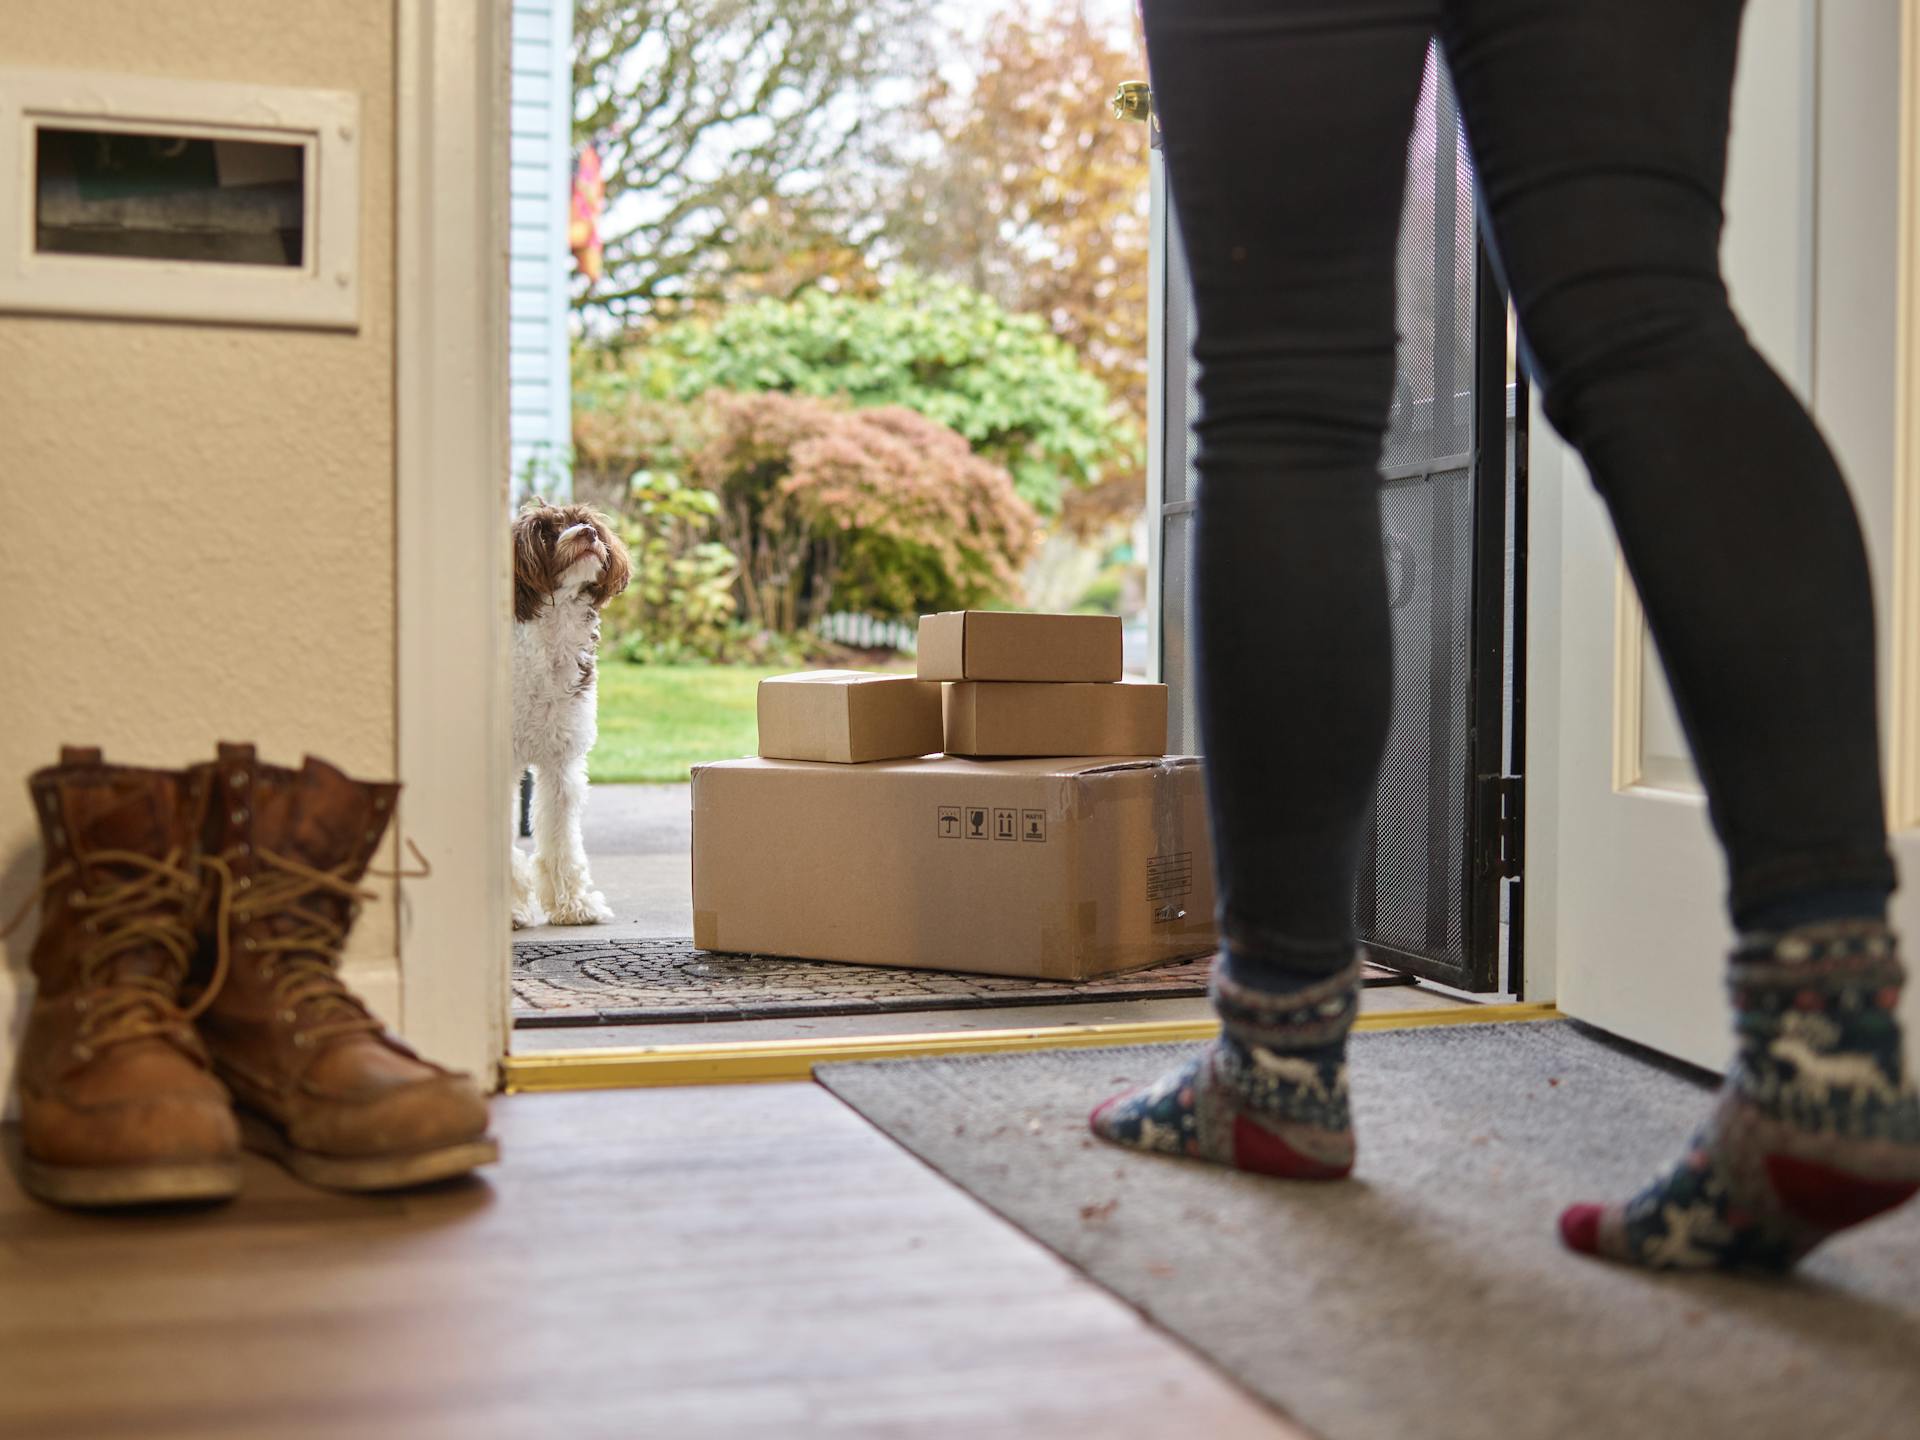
1170 876
949 822
1006 824
976 822
1033 826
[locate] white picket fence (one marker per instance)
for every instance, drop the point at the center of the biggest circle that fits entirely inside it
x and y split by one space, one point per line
866 633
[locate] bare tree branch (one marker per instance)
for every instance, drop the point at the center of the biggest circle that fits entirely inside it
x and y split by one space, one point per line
711 115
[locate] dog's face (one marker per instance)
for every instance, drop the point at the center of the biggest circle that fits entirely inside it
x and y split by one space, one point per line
563 552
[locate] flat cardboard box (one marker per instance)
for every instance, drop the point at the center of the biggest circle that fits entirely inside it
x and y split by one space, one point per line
1014 645
1011 718
847 716
1056 869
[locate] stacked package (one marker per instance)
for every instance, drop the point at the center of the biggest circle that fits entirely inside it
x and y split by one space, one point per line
1051 838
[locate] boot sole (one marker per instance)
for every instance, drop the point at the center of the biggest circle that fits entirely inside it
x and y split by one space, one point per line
366 1173
103 1187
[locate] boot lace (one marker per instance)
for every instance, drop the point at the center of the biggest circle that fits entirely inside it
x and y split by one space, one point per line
152 905
302 958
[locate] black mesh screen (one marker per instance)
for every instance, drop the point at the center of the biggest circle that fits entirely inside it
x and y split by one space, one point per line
1412 899
1412 895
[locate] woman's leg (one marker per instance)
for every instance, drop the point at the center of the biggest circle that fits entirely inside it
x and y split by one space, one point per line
1599 133
1285 126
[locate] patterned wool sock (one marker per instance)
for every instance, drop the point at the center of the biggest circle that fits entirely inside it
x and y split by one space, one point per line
1268 1096
1816 1129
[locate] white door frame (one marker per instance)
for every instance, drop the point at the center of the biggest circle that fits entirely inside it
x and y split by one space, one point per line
1903 775
452 583
452 580
1872 423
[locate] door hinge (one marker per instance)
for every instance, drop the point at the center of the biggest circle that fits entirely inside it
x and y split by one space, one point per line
1503 826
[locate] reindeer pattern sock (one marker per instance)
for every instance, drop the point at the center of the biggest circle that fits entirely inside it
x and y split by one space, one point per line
1817 1127
1268 1096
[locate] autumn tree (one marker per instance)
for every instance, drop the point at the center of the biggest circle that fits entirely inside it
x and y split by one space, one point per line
738 138
1038 197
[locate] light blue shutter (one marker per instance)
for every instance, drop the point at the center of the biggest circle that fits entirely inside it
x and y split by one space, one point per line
540 266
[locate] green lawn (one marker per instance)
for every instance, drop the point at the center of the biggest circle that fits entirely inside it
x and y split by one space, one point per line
656 720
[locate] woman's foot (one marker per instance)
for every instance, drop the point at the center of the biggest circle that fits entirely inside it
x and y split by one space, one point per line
1817 1128
1269 1096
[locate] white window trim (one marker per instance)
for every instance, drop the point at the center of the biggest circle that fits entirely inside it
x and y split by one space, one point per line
323 292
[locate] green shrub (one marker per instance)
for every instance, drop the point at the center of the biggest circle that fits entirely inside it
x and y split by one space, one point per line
1019 396
881 511
679 606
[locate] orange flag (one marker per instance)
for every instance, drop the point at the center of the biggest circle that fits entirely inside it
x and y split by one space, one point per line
583 218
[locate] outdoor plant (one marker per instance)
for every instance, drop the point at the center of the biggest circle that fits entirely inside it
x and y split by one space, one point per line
680 604
1017 394
882 510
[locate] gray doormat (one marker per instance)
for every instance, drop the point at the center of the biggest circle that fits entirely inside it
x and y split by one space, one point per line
1429 1296
656 982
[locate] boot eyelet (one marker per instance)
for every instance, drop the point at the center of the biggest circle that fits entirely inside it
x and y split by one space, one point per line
243 848
245 882
241 917
92 926
247 943
81 1004
76 899
287 1017
302 1040
240 816
83 1052
372 834
239 779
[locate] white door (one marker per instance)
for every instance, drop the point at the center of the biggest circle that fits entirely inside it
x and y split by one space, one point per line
1625 882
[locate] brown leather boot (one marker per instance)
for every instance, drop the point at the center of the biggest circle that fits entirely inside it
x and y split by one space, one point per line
320 1086
118 1105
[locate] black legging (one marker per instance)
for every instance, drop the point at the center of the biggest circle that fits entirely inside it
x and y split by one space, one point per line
1599 135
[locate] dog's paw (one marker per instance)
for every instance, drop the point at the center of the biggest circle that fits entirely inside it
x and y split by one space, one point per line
581 907
527 909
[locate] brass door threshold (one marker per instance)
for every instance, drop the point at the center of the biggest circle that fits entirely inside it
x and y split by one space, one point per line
744 1062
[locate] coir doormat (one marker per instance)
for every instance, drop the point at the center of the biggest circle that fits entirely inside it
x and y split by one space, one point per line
652 982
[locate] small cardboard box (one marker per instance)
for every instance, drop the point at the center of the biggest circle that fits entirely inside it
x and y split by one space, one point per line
1013 645
1057 869
1014 718
847 716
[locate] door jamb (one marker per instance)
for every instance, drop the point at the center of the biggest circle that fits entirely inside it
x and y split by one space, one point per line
451 565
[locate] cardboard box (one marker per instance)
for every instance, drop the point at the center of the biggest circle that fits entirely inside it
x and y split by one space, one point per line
847 716
1061 870
1011 645
1012 718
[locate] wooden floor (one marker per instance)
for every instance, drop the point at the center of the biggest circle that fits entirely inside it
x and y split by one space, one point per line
681 1264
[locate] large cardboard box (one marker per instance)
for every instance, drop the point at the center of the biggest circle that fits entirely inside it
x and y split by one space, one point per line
848 716
1059 869
989 718
1015 645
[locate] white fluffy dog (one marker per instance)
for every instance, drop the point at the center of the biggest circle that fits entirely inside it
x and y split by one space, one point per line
567 564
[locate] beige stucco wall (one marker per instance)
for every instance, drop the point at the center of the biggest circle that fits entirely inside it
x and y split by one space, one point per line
196 522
